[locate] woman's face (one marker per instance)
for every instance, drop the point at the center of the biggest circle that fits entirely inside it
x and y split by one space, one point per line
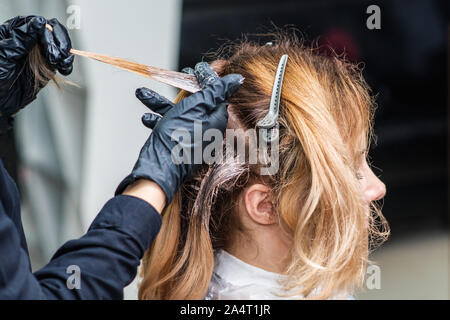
373 188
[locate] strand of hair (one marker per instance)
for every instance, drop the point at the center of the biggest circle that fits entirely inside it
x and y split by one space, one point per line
175 79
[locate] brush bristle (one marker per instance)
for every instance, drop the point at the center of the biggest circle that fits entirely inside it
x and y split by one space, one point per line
176 79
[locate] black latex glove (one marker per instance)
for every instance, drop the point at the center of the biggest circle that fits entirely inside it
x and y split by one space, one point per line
208 106
17 37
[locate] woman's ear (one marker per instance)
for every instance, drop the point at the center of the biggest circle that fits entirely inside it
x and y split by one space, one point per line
258 203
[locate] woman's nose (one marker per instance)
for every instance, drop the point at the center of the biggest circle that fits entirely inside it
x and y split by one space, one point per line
375 190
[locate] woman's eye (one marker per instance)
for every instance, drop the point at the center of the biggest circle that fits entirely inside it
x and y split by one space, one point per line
359 176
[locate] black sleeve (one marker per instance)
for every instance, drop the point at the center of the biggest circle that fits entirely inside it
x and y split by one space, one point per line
107 256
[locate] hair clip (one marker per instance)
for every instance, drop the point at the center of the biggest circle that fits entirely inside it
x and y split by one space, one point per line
270 121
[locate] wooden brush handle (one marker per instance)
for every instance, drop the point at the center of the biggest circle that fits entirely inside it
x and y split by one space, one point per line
179 80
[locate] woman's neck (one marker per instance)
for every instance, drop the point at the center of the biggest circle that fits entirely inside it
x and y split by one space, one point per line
265 250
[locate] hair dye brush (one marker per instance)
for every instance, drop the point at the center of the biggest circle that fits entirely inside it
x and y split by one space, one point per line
175 79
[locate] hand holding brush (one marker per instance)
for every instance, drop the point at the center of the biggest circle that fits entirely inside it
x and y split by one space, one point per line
29 56
33 48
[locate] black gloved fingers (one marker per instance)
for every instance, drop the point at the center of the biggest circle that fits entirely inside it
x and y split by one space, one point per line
213 94
55 46
49 49
66 66
61 36
20 35
150 120
188 70
154 101
205 74
34 29
218 118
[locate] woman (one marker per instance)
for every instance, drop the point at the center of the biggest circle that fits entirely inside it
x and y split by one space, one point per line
302 232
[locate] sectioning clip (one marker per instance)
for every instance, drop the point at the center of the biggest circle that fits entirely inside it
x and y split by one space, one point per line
270 121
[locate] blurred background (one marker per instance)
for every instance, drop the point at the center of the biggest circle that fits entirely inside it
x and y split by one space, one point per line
72 147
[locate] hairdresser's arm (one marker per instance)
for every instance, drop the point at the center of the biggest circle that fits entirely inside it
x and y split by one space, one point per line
148 191
107 255
18 36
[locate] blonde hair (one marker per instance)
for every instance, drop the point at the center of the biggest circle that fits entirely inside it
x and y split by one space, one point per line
326 117
42 73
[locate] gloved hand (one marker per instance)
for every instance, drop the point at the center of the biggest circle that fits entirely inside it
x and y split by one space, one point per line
17 37
208 106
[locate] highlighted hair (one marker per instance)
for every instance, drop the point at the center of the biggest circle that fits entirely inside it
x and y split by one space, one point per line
326 116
